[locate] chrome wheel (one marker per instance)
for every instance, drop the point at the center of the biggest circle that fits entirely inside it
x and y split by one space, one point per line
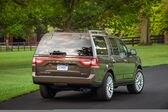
139 81
138 84
109 87
105 91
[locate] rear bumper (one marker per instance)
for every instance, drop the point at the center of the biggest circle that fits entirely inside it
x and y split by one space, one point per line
62 79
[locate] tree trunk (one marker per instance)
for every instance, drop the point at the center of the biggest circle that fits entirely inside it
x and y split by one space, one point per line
67 23
166 37
40 32
69 6
145 31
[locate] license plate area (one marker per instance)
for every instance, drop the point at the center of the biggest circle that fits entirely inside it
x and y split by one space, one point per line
62 67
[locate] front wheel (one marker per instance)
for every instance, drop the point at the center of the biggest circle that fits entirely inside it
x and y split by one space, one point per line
105 91
47 92
138 84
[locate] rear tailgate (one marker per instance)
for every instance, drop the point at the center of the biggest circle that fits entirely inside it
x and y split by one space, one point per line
61 66
64 54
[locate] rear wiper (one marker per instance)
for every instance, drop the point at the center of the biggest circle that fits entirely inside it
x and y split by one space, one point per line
57 53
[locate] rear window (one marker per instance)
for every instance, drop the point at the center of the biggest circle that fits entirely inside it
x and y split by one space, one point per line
73 44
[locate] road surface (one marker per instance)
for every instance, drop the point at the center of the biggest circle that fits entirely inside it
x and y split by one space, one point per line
154 96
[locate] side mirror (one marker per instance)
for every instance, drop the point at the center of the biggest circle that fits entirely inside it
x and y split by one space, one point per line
133 52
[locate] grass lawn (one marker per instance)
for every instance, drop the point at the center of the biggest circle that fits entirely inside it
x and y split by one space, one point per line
15 74
15 68
152 55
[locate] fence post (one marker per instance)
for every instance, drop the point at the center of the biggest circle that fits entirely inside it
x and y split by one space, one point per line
161 39
24 46
132 41
12 47
0 47
18 46
6 48
30 47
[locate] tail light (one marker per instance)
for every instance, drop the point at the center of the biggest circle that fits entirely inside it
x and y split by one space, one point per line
91 62
88 62
37 60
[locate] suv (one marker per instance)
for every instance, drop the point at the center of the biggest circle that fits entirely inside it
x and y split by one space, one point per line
82 61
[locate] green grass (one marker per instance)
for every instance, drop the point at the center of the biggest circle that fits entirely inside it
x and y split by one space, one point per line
152 55
15 74
15 68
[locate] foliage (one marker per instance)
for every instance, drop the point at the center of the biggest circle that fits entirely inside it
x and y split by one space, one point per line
164 16
12 19
20 18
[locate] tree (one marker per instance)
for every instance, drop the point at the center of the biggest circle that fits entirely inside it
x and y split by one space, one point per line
120 16
12 21
21 18
145 14
39 13
164 20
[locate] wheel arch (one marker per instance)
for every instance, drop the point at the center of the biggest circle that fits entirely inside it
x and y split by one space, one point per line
139 67
112 73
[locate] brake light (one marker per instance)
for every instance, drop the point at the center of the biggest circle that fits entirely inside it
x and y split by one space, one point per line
37 60
91 62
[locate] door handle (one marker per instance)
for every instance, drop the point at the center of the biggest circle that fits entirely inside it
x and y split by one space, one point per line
114 61
125 60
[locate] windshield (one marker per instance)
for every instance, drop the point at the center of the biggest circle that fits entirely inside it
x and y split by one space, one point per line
75 44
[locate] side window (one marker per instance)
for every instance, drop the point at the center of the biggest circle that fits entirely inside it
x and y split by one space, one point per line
115 48
101 47
122 48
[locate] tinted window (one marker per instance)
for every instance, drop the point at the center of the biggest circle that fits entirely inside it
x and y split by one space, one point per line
115 48
65 44
122 47
100 44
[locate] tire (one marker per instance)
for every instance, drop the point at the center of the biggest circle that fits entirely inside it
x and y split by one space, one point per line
105 91
138 84
93 91
47 91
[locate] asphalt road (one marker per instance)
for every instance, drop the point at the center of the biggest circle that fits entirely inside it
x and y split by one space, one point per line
154 96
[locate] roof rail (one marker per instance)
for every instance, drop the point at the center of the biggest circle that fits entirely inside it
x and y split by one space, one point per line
97 33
